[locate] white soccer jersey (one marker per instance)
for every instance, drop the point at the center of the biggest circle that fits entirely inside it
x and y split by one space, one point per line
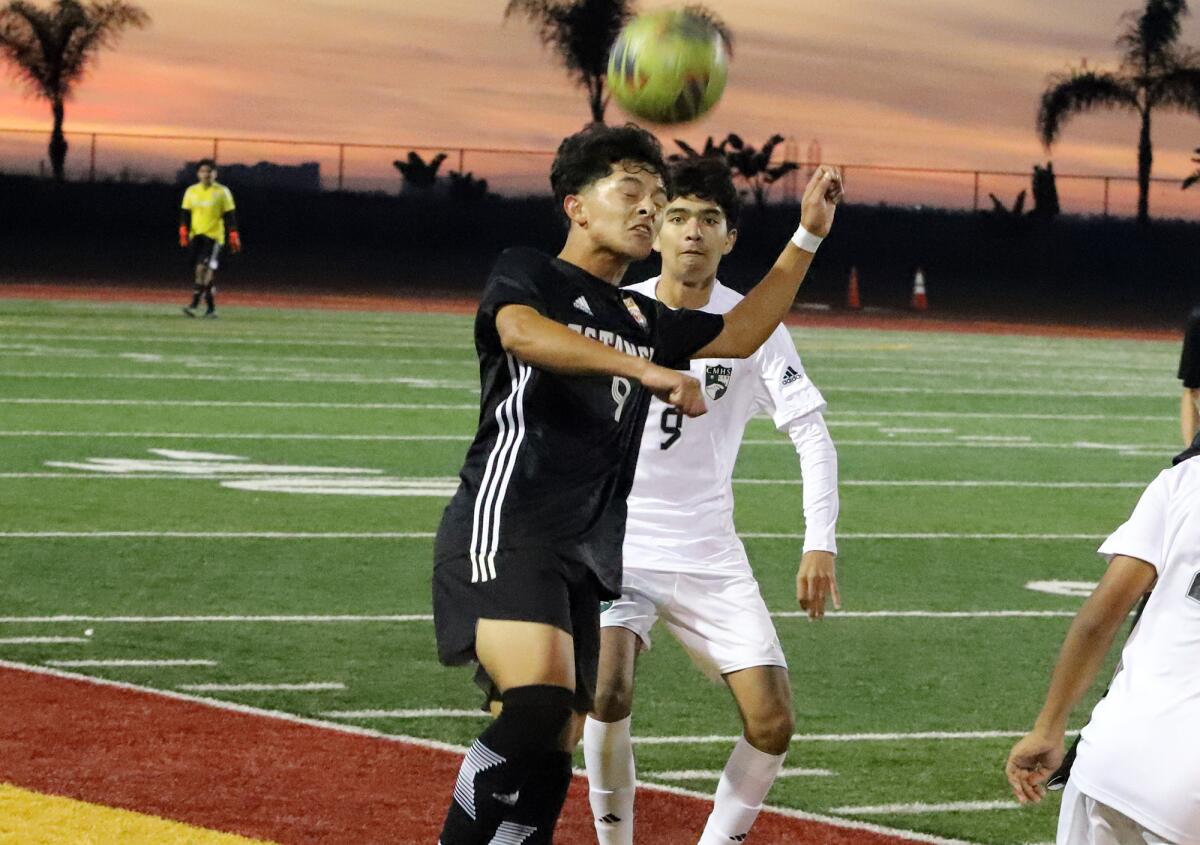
1140 753
681 505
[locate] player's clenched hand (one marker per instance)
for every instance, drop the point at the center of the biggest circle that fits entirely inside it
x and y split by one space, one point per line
816 581
675 388
821 197
1032 760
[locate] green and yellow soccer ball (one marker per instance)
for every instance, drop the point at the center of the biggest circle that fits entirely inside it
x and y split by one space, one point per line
668 66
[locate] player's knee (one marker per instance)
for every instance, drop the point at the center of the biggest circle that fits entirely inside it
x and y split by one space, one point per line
614 700
771 730
534 718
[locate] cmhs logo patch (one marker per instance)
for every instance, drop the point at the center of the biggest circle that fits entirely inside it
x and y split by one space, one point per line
716 380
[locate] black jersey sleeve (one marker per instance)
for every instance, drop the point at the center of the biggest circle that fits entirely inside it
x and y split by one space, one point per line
516 279
1189 359
679 333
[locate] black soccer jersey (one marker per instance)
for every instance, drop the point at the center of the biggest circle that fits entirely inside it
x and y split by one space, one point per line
554 456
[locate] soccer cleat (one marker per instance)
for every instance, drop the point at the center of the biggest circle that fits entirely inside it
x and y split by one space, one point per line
191 312
211 315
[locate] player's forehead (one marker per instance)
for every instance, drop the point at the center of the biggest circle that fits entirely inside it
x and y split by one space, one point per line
693 205
639 175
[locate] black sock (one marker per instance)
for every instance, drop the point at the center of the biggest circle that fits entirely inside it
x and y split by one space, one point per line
208 299
197 292
532 820
498 765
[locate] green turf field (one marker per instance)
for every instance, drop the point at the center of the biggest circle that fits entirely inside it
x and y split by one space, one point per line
970 465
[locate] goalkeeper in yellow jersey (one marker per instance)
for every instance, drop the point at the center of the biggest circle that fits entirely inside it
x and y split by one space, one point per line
207 216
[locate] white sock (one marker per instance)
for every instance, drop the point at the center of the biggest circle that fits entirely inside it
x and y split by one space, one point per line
744 786
608 754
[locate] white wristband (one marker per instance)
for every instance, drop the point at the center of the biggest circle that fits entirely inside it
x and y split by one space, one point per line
806 240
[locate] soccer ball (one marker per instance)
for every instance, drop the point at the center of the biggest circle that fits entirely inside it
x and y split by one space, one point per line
668 66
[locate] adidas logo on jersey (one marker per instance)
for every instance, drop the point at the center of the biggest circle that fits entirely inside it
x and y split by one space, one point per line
509 799
609 819
790 375
581 304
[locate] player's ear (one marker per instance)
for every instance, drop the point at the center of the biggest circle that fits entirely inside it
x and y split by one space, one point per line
573 207
730 240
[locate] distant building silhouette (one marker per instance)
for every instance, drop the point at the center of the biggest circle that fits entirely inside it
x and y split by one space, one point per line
265 174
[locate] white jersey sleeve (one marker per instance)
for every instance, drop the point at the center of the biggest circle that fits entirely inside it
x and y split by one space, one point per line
1143 535
787 391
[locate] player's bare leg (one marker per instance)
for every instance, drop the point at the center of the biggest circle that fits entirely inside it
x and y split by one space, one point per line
764 699
514 779
607 744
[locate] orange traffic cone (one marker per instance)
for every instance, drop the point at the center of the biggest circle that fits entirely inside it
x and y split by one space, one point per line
852 299
919 301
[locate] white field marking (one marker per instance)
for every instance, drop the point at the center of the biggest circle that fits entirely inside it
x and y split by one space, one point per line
818 358
834 419
930 614
203 403
378 487
195 435
154 620
946 535
217 361
42 640
428 713
317 686
312 378
1024 376
919 809
217 340
180 455
715 774
933 736
1078 589
222 467
219 535
1138 448
1051 485
453 749
81 664
464 438
890 431
994 391
997 438
449 481
983 415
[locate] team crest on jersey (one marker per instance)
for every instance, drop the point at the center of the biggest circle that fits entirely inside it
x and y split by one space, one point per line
716 380
636 312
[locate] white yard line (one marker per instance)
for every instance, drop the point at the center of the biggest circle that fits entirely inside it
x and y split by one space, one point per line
218 535
983 415
454 749
208 341
918 808
203 403
903 736
715 774
203 620
309 687
1146 448
84 664
314 378
947 535
428 713
43 640
931 614
193 435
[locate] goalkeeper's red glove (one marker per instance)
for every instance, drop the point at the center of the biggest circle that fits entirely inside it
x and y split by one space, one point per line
183 236
235 241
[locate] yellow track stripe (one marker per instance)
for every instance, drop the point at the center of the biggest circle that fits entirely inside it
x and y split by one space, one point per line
31 818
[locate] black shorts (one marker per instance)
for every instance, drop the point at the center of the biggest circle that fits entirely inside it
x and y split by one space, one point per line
532 585
206 251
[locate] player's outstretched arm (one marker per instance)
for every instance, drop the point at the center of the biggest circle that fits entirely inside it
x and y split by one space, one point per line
1035 757
753 319
551 346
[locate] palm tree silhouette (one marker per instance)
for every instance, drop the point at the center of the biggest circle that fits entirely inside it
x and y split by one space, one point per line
51 50
1155 72
582 32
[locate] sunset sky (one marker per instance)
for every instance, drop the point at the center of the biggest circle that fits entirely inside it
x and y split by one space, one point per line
941 83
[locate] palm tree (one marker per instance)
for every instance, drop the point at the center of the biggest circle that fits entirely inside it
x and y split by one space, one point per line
51 50
1155 72
582 32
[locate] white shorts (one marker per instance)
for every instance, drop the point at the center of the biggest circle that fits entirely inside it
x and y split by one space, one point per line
719 618
1085 821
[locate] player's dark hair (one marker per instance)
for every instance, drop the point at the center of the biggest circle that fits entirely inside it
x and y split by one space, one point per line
706 178
589 155
206 162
